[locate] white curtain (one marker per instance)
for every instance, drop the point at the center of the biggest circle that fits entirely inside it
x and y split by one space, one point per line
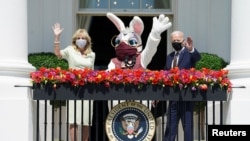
84 21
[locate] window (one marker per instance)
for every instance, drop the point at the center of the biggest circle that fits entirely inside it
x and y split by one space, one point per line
124 4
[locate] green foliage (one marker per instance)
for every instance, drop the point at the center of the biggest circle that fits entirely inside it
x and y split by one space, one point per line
47 59
211 61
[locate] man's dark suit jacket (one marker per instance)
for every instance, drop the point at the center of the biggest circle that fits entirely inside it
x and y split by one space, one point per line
186 60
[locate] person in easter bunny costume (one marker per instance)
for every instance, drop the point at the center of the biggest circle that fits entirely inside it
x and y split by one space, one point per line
128 43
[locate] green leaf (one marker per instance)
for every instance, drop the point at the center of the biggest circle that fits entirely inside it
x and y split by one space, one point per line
46 59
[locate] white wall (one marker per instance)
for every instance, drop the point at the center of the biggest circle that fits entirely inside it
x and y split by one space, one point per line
42 15
207 22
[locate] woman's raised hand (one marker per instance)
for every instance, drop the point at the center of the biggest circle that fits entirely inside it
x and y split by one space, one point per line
57 29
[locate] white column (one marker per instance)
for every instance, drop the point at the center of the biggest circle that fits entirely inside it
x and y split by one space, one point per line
239 68
240 58
15 103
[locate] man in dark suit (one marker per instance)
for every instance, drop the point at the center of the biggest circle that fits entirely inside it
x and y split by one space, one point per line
186 57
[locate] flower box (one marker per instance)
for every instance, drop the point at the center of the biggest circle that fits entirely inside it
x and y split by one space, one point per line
128 92
131 84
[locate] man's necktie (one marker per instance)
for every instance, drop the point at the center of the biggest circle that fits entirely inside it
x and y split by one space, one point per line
175 60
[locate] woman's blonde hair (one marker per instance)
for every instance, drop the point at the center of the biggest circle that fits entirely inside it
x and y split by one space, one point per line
86 36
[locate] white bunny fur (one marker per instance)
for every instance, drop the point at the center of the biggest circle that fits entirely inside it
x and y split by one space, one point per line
136 28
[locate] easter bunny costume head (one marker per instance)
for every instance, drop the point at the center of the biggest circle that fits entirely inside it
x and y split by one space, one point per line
128 43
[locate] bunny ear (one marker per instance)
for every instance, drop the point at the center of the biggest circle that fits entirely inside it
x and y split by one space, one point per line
137 25
116 21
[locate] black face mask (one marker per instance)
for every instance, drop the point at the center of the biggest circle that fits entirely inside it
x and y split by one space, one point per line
177 46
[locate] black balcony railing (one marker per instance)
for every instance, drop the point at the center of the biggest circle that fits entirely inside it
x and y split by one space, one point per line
52 108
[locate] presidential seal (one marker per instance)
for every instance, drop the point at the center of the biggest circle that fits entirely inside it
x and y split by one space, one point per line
130 121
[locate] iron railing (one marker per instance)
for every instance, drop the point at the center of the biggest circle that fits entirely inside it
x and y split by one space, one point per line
52 109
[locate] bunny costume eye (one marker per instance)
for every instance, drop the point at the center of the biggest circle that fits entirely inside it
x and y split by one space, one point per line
132 42
130 39
117 41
